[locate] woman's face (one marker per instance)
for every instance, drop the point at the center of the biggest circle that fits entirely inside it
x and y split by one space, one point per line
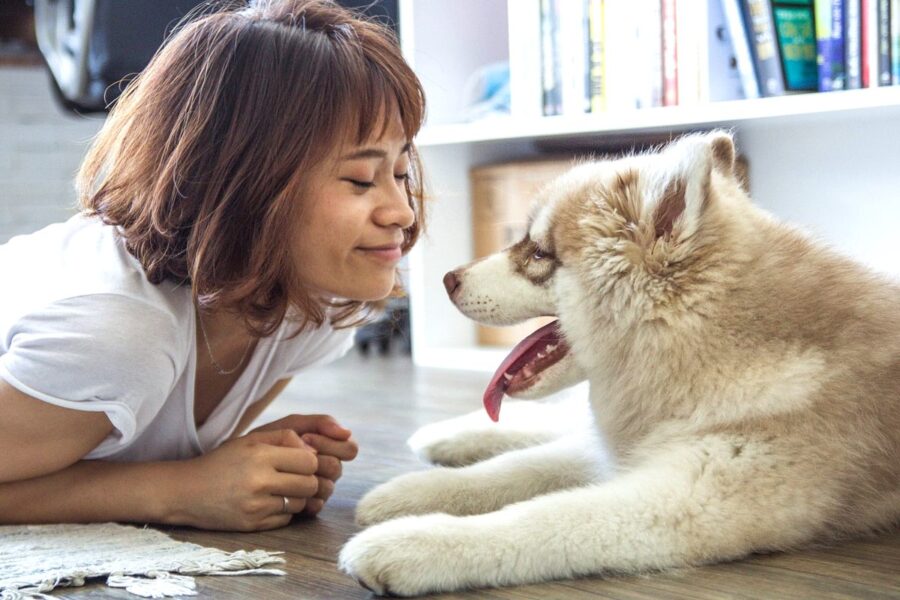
351 225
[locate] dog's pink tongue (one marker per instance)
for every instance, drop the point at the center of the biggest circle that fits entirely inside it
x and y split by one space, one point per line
493 395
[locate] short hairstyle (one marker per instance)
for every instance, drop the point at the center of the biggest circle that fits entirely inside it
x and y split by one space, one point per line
203 157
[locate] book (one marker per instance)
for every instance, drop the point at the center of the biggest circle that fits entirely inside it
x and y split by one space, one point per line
853 44
623 76
795 30
551 93
760 24
649 52
669 53
829 15
884 42
721 79
691 24
740 43
596 56
572 45
895 42
525 59
869 41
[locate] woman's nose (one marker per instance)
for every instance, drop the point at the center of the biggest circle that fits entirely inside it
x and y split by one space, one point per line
396 209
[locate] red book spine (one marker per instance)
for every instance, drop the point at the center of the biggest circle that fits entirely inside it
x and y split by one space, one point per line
670 54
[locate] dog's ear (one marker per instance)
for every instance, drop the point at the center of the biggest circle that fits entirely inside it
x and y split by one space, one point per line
686 165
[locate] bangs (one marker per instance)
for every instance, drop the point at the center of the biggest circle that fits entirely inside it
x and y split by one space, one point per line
372 85
383 97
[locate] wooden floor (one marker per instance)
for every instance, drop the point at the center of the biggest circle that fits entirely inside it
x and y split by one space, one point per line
383 401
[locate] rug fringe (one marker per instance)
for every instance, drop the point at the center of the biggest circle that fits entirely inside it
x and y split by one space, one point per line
144 562
156 584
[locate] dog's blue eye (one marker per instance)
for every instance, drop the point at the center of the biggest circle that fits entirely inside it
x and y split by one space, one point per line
539 255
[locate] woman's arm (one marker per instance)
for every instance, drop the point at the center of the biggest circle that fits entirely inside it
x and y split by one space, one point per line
91 491
238 486
37 438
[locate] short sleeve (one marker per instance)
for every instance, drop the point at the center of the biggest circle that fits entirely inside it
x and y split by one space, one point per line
100 352
319 347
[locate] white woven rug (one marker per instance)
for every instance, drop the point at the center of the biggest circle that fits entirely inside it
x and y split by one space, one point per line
34 559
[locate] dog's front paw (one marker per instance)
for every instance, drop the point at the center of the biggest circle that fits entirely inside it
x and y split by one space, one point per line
453 442
417 493
409 556
473 437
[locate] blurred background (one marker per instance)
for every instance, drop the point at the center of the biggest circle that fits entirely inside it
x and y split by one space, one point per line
517 90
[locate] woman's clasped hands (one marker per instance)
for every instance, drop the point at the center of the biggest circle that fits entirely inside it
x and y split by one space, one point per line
262 479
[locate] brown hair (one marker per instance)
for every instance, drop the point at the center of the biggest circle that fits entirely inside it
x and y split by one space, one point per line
204 155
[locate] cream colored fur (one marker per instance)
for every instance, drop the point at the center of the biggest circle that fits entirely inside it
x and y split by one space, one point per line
744 385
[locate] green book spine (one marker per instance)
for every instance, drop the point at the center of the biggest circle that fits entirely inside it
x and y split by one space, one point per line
795 28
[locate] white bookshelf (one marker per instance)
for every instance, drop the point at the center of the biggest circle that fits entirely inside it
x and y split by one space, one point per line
827 162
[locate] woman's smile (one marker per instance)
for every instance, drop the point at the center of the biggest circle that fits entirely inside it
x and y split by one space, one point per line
385 253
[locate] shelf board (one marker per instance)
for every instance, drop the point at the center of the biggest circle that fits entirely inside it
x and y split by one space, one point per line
665 118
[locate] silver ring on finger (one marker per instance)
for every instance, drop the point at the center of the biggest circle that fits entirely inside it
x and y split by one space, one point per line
285 504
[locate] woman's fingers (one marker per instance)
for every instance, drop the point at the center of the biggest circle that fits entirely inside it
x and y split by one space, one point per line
313 507
294 486
325 489
300 461
344 450
289 505
330 467
320 424
274 521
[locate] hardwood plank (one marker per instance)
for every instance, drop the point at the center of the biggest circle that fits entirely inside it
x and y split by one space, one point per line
383 401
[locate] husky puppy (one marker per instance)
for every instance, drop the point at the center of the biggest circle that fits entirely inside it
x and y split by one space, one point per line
744 379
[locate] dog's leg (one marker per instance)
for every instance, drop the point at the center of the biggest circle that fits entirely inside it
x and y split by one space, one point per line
474 437
689 508
488 485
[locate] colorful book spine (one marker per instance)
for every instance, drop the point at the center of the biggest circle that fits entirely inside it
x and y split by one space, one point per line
670 53
740 41
830 44
869 40
884 42
764 47
853 44
795 26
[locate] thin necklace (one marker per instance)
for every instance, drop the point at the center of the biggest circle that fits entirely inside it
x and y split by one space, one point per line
219 369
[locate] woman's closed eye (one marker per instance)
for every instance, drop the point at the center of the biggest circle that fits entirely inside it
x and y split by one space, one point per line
361 184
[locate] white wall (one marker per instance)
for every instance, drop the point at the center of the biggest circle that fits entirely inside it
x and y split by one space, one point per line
837 176
40 150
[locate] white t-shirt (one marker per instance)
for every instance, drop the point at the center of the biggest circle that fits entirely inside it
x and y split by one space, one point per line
81 327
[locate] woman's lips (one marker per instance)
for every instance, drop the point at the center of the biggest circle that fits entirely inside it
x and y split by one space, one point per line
384 253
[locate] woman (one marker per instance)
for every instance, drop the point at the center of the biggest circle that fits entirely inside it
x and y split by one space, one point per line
245 204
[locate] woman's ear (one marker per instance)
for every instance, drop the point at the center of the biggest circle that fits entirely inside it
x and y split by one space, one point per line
685 168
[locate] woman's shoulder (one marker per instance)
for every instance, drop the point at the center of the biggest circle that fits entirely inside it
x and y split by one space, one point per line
83 262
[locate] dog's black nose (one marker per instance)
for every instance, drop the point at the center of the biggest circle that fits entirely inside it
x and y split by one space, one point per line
451 283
